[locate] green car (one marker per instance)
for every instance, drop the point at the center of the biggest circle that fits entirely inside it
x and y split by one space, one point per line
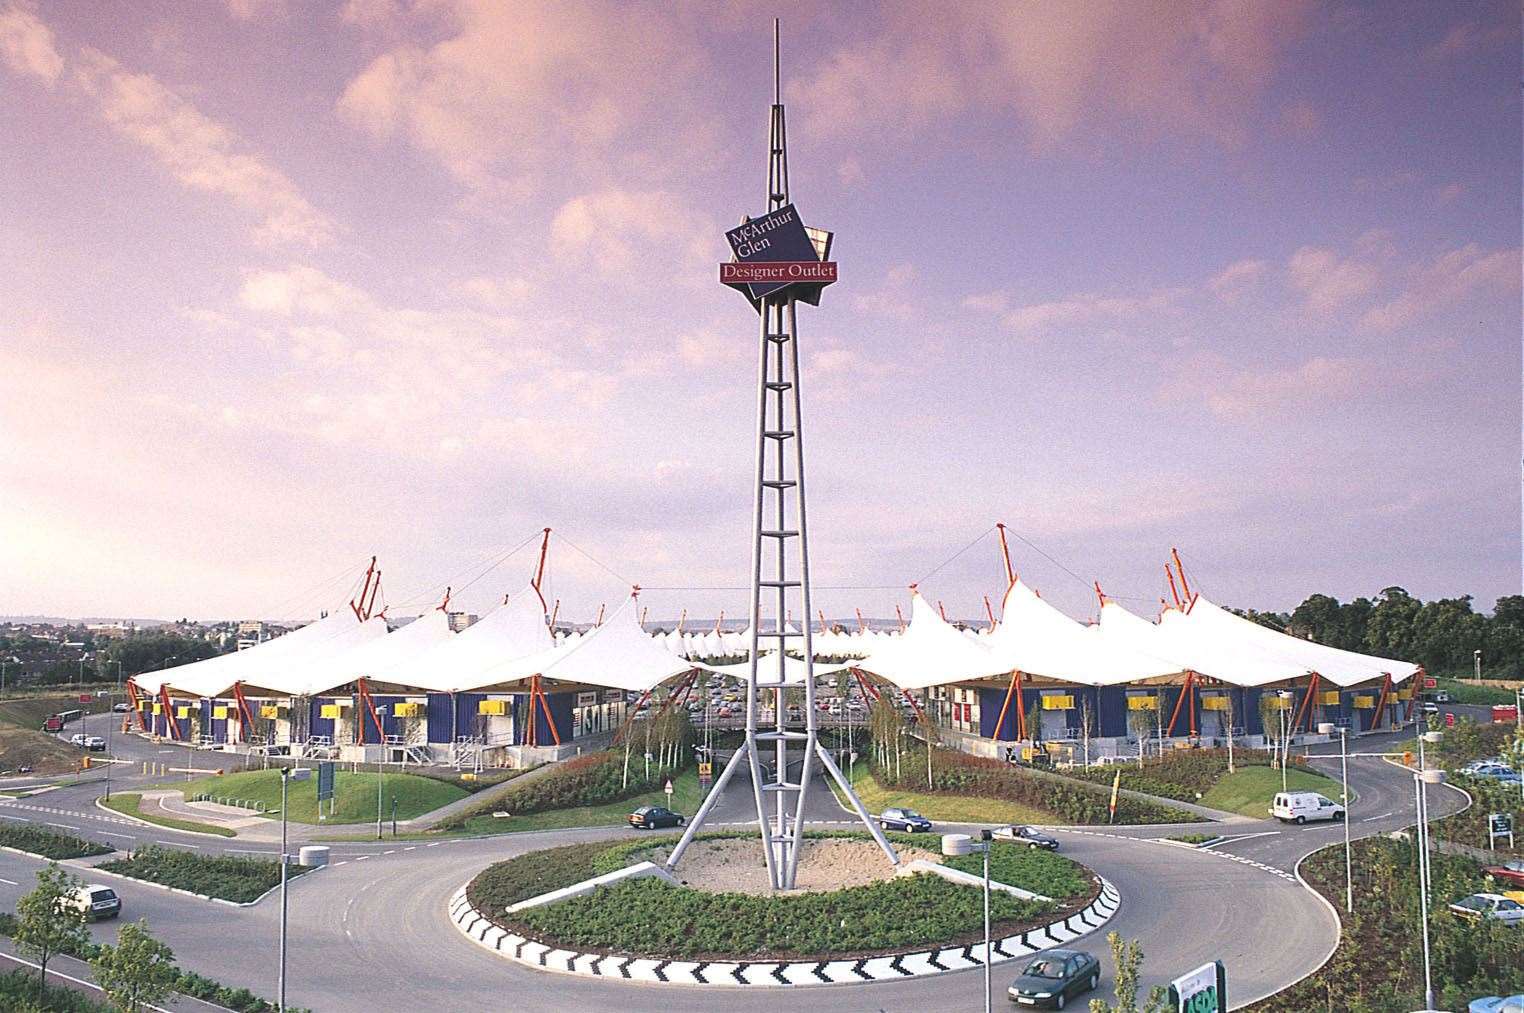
1054 977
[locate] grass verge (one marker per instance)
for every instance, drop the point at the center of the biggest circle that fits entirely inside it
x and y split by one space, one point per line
354 794
130 804
686 798
240 880
1249 790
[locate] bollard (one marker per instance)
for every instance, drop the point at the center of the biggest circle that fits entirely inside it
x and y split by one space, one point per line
145 768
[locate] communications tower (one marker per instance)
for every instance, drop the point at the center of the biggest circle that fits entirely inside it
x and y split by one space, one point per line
777 263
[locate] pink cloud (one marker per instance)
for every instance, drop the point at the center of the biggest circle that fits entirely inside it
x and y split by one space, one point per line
1449 278
26 43
1327 281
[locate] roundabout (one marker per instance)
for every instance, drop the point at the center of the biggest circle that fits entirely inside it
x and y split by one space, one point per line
711 928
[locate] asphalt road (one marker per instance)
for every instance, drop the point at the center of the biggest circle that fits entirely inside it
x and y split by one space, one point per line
371 932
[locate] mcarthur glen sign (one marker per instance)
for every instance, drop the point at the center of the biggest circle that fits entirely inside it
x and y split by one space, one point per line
776 251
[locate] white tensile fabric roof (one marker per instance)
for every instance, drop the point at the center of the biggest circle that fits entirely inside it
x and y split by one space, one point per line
931 652
280 675
1037 639
374 659
767 669
216 676
509 632
1342 668
618 655
1188 646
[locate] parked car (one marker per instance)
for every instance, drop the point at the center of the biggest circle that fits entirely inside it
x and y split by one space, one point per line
77 739
1430 708
1441 696
1497 1004
1508 872
95 743
1054 977
1026 835
96 901
121 707
1487 768
907 820
1300 806
650 817
1490 905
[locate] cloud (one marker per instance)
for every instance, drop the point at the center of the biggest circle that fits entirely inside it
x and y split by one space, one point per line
894 295
1327 281
1245 395
987 302
1038 319
1463 39
26 44
1237 278
1445 281
1302 119
198 151
510 89
495 293
615 229
252 10
1189 69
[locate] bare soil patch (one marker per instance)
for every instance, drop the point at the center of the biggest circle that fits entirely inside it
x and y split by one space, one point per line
735 865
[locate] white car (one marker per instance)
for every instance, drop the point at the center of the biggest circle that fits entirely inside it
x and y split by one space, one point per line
121 708
96 901
1490 905
1302 806
78 739
95 743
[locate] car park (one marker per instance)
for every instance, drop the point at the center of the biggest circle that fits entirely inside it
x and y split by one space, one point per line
95 901
1509 872
1018 834
1490 905
1304 806
907 820
651 817
1053 977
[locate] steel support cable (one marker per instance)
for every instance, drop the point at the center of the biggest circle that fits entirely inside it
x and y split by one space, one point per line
431 593
600 564
301 597
942 565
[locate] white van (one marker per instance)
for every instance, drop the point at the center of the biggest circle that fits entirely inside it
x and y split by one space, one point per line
1301 806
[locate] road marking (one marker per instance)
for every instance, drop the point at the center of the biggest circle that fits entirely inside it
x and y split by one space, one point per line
108 833
392 852
178 844
1371 819
411 847
252 851
10 881
434 845
22 819
344 862
362 858
64 825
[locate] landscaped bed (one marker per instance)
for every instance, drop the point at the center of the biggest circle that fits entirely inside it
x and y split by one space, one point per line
240 880
650 917
49 843
131 804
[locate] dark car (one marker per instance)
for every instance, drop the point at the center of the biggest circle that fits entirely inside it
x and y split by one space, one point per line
1511 872
649 817
907 820
1019 834
1054 977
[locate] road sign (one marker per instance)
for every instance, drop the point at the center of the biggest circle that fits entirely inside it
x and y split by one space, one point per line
1204 990
325 780
1449 720
706 770
1431 684
85 698
668 790
1499 825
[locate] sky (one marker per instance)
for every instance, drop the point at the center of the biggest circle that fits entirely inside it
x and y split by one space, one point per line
284 285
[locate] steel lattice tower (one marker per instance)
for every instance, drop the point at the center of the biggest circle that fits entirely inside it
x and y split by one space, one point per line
780 578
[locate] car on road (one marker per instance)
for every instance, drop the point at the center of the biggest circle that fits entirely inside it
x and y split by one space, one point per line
1430 708
1301 806
1490 905
650 817
1497 1004
78 739
95 901
95 743
1508 872
121 707
1053 977
1018 834
907 820
1441 696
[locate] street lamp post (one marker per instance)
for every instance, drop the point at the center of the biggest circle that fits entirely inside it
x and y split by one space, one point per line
1476 656
1327 728
1421 779
380 775
110 719
963 844
1281 713
286 774
1430 737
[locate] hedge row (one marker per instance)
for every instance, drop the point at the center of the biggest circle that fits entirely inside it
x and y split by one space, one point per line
1179 774
18 994
958 773
187 983
49 843
1030 868
589 779
240 880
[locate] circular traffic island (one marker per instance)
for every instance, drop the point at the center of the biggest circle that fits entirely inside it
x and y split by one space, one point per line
854 918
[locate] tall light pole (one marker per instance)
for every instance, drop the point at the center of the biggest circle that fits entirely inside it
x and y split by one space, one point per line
962 844
1281 712
110 719
1421 779
380 774
1327 728
286 774
1476 656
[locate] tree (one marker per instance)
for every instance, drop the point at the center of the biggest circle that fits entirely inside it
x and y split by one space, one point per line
48 921
1142 723
1127 958
138 971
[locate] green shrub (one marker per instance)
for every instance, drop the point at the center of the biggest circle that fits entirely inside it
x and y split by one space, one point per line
18 994
589 779
535 873
959 773
49 843
1029 868
240 880
1180 774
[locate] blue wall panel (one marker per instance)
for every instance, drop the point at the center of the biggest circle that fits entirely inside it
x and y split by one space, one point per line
439 718
318 724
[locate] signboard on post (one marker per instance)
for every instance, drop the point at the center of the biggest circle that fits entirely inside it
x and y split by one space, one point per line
668 790
324 786
1499 825
774 252
1449 719
1204 990
1431 684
